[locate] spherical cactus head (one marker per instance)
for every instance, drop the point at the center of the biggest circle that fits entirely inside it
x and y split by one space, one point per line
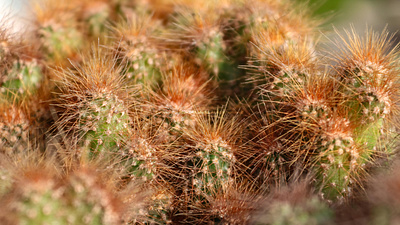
140 50
58 29
96 15
31 198
184 90
294 204
289 21
201 34
21 72
368 69
215 139
15 128
95 103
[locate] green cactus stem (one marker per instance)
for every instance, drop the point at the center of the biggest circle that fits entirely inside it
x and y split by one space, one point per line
340 159
203 37
140 51
95 16
368 71
22 79
313 211
60 42
144 62
14 129
213 169
96 104
104 121
50 200
215 139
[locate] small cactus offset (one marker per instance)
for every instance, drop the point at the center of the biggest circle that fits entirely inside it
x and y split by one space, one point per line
294 204
138 47
369 74
42 194
95 104
96 15
15 128
20 71
57 30
201 32
195 112
215 140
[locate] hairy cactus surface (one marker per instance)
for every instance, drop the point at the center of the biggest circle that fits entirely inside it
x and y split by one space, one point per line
194 112
97 116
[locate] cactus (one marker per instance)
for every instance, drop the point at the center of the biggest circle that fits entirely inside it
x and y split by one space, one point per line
6 181
15 129
160 207
370 81
237 204
369 95
142 112
144 58
58 30
184 91
202 33
97 104
293 204
20 72
312 211
150 151
24 78
42 192
40 199
215 141
96 14
29 199
340 158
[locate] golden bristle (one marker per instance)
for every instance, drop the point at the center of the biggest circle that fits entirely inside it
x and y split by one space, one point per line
133 28
370 61
287 20
235 205
316 91
291 57
373 50
51 12
193 25
212 129
97 77
135 40
185 89
97 74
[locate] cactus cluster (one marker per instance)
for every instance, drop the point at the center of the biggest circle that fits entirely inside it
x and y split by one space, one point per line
194 112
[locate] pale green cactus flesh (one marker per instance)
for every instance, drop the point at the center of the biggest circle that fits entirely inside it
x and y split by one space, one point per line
213 169
312 211
144 65
104 122
60 43
22 79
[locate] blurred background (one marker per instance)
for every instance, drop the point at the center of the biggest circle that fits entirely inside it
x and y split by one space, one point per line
340 13
361 13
